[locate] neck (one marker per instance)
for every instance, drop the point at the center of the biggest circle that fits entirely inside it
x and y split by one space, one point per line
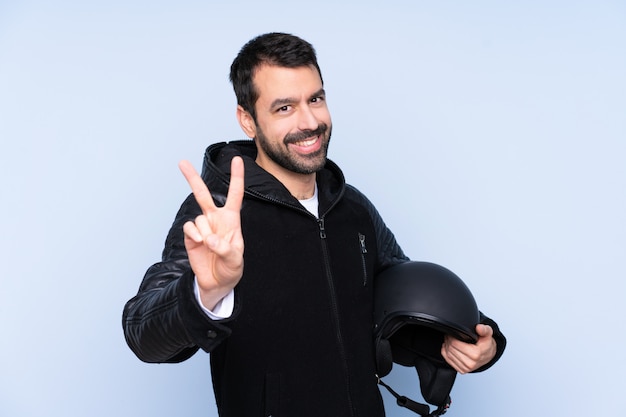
302 188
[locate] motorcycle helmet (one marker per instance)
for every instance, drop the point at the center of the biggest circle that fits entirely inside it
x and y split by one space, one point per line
415 305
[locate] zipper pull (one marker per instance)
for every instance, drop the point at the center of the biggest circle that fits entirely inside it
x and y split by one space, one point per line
363 252
320 223
362 242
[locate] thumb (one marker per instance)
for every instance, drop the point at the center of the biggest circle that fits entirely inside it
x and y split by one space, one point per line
484 330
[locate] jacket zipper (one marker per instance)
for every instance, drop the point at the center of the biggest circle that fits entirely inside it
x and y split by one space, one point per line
363 252
320 222
335 310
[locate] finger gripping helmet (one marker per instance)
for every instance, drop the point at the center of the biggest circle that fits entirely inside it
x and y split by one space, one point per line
415 305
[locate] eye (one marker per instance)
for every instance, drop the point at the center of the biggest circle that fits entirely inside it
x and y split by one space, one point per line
283 109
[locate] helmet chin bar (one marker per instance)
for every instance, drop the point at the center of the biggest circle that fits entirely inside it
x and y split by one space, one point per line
419 408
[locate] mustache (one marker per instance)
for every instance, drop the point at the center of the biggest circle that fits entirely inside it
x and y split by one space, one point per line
304 134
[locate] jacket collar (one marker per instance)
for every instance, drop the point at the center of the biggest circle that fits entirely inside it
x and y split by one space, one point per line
260 183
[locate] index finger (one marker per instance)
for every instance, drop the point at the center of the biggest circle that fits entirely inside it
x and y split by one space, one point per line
198 187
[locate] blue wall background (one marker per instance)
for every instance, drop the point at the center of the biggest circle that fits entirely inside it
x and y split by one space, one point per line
499 125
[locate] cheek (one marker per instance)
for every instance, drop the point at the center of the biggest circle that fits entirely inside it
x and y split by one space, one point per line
277 130
323 115
284 127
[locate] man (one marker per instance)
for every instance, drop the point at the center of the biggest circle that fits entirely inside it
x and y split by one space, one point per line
289 320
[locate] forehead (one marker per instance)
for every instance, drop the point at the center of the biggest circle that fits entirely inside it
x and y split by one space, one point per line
272 82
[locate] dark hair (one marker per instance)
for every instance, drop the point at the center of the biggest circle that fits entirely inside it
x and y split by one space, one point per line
281 49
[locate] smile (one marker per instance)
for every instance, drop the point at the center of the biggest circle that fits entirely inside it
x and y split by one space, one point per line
306 143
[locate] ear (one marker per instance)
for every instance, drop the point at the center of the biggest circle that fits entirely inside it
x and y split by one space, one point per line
246 122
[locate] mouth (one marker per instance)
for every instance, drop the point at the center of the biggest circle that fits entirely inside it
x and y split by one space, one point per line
307 142
308 145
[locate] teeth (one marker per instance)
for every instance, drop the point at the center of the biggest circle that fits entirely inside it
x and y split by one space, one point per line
307 142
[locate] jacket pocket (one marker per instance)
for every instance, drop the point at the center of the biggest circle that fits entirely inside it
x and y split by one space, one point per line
272 395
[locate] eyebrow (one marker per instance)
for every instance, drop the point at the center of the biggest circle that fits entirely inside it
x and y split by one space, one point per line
280 102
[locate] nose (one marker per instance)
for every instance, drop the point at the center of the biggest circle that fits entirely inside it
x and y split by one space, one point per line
307 119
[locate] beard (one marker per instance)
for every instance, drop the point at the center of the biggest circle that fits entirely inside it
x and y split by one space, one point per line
300 164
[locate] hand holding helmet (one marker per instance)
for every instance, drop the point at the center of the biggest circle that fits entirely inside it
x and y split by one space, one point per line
468 357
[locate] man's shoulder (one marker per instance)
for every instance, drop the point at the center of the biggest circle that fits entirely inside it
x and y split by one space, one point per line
356 198
353 193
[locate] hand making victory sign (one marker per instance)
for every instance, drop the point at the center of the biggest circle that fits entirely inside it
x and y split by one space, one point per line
213 241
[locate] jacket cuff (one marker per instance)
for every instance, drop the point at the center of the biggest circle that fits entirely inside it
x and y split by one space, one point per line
498 337
203 331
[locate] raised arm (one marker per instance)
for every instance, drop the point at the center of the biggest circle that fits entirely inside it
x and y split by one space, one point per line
213 241
164 322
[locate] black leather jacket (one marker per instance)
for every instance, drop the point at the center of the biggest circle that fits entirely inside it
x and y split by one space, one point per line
299 342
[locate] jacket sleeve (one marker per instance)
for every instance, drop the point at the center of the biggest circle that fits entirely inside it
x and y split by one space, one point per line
164 322
390 253
499 338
